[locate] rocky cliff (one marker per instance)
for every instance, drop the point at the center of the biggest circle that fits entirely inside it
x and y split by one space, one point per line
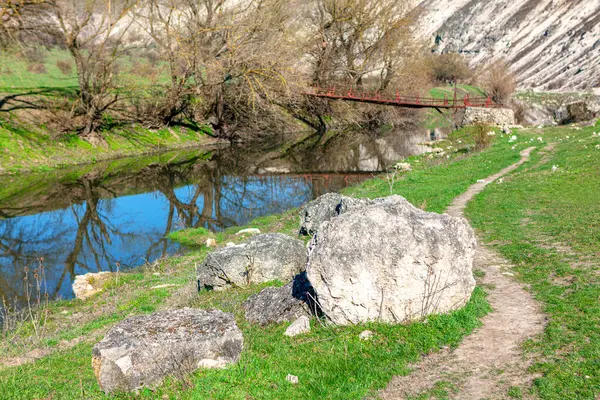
550 44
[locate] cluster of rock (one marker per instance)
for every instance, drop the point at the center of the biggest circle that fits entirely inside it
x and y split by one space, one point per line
490 116
369 260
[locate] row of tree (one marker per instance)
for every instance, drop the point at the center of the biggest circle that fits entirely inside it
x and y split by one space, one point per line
238 65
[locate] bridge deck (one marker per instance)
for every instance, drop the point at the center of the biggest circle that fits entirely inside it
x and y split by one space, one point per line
402 100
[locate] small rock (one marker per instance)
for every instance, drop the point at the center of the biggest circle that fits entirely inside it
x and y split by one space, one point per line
162 286
365 335
298 327
554 168
88 285
210 242
403 167
481 181
508 274
156 273
293 379
249 231
230 244
282 304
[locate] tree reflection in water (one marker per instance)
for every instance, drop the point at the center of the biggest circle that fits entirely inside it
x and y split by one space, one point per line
113 215
124 217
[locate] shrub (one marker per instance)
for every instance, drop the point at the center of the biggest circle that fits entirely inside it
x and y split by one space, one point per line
33 55
37 68
481 136
448 67
65 67
499 82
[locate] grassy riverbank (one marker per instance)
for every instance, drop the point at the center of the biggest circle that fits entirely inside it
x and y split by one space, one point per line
332 362
33 149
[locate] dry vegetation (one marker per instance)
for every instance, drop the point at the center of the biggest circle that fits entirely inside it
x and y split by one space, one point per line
499 82
236 67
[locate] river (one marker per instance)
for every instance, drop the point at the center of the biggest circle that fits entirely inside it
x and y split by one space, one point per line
117 214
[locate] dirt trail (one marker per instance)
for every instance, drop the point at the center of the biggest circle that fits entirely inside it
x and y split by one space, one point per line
489 361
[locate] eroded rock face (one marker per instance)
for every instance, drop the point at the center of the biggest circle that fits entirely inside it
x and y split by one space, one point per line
326 207
141 351
391 262
263 258
286 303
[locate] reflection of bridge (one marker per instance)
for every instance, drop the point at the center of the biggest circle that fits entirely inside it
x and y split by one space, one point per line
403 100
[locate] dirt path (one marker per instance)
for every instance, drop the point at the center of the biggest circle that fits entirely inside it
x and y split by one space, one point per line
490 361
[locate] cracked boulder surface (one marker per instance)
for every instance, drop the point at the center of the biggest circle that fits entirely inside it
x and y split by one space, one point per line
391 262
141 351
263 258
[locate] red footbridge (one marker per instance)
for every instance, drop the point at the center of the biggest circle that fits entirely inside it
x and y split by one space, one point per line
402 100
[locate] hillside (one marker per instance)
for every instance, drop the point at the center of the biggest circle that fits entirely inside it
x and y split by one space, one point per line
550 44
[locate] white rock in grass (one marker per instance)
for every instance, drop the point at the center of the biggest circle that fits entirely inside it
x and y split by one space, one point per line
91 283
298 327
249 231
293 379
365 335
210 242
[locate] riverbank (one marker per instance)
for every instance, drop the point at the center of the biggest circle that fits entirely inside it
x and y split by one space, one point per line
333 362
31 149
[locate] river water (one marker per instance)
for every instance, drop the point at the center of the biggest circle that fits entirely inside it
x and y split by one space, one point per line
97 217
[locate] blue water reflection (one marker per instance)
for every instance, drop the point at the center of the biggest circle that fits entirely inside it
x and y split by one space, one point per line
100 234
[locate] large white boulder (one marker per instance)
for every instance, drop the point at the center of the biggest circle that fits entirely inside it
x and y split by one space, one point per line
391 262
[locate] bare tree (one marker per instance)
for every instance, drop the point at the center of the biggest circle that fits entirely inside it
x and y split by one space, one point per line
354 40
229 58
93 32
499 81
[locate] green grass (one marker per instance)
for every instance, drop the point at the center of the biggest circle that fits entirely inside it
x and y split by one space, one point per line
462 90
32 149
331 362
434 183
548 225
16 72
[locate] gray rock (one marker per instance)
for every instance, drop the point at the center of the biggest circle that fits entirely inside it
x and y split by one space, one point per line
263 258
141 351
391 262
286 303
298 327
326 207
492 116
